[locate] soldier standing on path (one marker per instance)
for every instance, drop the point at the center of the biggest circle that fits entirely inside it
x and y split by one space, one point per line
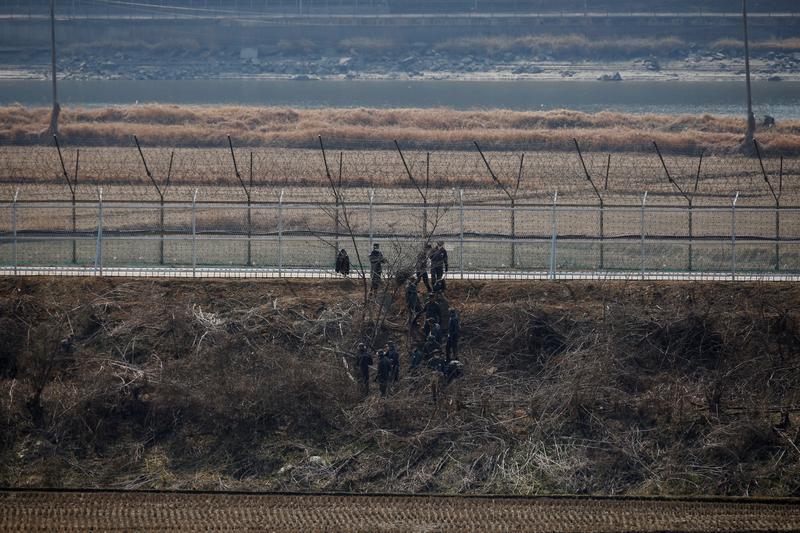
384 372
343 263
422 266
363 361
376 261
439 264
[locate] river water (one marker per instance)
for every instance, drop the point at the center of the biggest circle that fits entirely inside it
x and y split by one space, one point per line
780 99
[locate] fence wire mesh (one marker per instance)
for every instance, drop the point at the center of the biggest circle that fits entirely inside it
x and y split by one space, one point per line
545 214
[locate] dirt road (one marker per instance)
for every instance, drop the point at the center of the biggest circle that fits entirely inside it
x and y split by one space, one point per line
98 511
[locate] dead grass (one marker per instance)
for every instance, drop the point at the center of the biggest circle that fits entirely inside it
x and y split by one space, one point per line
563 46
641 388
433 129
773 45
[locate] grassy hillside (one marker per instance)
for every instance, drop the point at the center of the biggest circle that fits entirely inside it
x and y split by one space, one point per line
579 387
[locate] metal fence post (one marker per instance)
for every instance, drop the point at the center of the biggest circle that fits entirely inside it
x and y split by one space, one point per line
194 233
777 235
371 201
733 237
98 256
461 230
161 232
553 239
14 230
644 201
513 234
280 234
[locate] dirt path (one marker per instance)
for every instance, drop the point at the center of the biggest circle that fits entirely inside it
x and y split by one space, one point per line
98 511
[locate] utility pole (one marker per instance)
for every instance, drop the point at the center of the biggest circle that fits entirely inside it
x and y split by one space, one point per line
751 119
56 107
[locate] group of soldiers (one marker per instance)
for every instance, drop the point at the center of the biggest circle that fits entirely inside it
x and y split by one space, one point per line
434 342
431 258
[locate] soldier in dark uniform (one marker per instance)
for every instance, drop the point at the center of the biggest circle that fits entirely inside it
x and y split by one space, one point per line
363 362
432 328
394 358
376 261
439 264
432 309
453 332
430 347
412 301
422 266
343 263
416 358
384 372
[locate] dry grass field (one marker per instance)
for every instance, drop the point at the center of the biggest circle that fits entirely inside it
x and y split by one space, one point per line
427 129
620 177
98 511
568 387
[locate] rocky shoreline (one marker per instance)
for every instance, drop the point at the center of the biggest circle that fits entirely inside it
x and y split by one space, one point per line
419 63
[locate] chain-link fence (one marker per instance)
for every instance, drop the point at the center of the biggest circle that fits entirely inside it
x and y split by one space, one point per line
292 237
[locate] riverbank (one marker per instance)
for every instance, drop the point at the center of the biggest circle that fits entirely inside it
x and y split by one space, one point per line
546 57
439 128
567 387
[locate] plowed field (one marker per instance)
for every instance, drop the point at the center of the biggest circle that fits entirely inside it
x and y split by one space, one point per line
98 511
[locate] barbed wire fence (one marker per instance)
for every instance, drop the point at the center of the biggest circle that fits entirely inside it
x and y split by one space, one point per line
269 208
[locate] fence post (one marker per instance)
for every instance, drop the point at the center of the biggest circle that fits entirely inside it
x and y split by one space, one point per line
553 238
513 233
280 234
602 235
98 255
161 232
777 236
461 230
74 228
371 201
194 233
644 201
249 233
14 230
733 237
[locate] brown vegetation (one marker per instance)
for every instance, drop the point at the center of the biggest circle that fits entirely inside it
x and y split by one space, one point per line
167 125
773 45
578 387
563 46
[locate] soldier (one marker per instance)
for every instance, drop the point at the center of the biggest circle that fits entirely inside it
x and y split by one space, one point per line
432 328
394 358
376 261
430 347
439 264
432 309
363 361
452 370
453 331
423 259
416 358
412 300
384 372
343 263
